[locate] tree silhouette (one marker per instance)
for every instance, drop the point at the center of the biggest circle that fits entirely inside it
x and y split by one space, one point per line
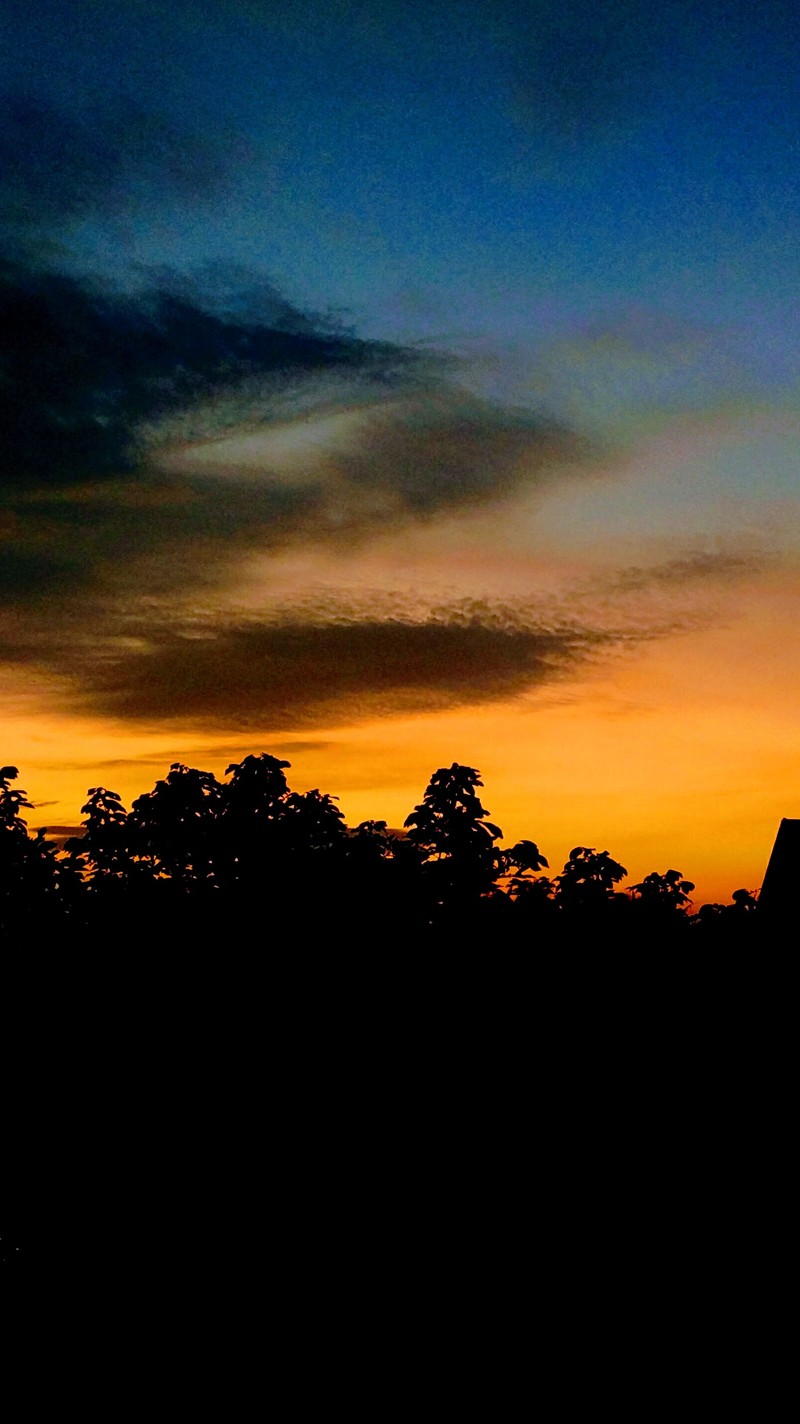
522 860
29 878
737 924
256 792
451 831
663 896
370 845
12 803
313 842
588 879
531 895
313 824
102 852
252 820
172 827
195 857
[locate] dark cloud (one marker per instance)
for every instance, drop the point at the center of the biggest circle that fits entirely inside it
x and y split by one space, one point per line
327 660
304 673
35 573
89 375
83 367
85 371
313 664
94 380
136 539
702 565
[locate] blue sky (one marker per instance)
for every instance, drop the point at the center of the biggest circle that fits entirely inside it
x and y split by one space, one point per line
485 168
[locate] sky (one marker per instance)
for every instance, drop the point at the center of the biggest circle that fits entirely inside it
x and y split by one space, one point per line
385 386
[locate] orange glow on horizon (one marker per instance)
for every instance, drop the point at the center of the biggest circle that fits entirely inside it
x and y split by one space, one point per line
678 749
637 759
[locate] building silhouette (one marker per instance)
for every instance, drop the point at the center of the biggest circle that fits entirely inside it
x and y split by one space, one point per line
779 893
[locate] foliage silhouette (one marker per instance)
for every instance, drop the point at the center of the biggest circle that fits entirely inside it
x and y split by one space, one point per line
12 803
588 879
257 791
451 831
103 849
199 861
29 875
171 827
521 862
663 893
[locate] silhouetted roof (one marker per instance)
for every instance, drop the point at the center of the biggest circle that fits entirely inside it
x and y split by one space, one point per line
782 880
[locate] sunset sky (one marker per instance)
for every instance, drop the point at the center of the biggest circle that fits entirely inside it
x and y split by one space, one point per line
387 385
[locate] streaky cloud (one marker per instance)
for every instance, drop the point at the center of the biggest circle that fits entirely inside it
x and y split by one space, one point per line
301 674
331 658
85 366
100 496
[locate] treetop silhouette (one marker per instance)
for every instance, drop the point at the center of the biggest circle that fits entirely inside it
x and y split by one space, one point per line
194 852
